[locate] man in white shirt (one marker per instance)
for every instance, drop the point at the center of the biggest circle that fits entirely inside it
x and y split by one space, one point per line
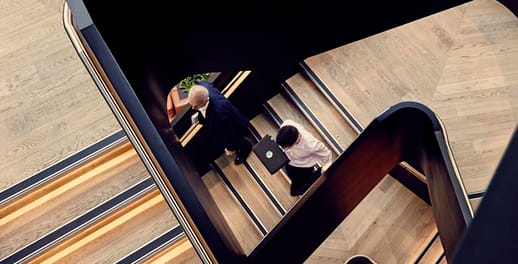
305 152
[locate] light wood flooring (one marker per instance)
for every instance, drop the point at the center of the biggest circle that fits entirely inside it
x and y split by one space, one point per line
49 106
462 63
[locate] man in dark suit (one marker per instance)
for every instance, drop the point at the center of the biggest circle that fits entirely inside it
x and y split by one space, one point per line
224 125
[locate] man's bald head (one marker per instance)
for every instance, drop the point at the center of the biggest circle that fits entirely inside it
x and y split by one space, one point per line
198 96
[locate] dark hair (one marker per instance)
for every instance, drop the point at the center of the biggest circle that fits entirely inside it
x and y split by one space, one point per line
287 136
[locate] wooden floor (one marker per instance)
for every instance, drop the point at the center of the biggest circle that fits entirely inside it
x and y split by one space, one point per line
461 62
49 106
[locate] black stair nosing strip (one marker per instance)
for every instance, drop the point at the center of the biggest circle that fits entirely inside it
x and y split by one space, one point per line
242 202
440 258
428 246
154 246
342 109
265 189
338 148
80 222
276 118
59 167
474 195
255 133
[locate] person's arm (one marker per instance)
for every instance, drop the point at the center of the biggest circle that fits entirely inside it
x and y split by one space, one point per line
320 150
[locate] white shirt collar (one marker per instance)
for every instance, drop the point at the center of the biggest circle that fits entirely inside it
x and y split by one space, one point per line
203 110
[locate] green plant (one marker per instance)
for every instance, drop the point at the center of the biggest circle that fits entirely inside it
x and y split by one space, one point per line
186 84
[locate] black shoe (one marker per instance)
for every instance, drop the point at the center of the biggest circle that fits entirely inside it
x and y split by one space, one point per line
241 157
238 160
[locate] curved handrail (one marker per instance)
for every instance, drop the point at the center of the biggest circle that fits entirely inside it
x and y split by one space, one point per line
407 131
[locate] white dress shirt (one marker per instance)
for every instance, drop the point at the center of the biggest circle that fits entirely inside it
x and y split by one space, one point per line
203 109
308 151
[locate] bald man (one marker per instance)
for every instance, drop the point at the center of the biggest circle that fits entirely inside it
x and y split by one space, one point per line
224 125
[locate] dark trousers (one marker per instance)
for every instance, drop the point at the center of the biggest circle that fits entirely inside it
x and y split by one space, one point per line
301 178
243 147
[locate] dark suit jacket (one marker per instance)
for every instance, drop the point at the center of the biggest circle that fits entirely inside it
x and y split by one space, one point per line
224 125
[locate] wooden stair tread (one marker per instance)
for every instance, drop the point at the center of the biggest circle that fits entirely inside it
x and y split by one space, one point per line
434 253
287 110
320 107
179 252
277 183
117 235
249 190
243 229
58 202
264 125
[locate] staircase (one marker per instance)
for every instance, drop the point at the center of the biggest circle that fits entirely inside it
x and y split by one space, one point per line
252 200
98 206
104 207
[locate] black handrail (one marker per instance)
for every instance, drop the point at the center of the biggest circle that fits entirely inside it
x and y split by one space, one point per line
405 131
493 236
